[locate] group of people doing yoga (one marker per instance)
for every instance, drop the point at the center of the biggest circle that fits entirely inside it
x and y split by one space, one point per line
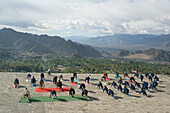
132 84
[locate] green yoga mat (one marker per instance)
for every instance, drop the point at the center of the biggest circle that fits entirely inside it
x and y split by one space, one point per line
58 98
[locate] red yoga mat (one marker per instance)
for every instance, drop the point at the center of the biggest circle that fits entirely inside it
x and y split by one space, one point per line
64 89
74 84
107 79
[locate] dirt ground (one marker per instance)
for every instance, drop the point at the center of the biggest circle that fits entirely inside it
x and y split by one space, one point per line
157 102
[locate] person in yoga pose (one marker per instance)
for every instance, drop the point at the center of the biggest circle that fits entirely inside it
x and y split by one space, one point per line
137 70
60 77
100 85
143 92
42 76
145 86
53 94
126 75
103 78
105 89
26 94
126 90
59 84
132 79
132 87
28 76
117 75
141 77
72 79
72 92
110 92
82 86
87 79
105 74
156 78
126 83
137 75
137 84
114 84
146 75
55 80
150 78
49 72
16 83
89 75
33 81
75 75
119 80
152 74
41 85
119 88
84 92
153 85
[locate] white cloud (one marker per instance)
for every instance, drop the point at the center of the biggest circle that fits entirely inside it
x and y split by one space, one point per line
87 17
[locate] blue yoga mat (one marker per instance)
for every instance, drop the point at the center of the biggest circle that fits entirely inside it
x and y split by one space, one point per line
76 79
91 80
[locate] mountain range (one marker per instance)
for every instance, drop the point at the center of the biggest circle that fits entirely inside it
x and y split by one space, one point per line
42 44
15 44
128 41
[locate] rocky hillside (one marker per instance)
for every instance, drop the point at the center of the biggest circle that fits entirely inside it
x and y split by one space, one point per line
150 54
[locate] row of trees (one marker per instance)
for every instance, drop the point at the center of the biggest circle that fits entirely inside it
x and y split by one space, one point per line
81 65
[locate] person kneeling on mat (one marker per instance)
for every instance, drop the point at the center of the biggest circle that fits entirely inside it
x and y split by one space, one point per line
33 81
110 92
26 94
72 92
84 93
53 94
100 85
16 83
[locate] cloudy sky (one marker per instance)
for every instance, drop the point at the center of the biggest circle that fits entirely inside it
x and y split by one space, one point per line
86 17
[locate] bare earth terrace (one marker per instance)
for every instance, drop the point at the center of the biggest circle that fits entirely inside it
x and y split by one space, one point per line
157 102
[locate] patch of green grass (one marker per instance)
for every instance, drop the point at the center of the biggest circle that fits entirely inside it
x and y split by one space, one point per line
59 98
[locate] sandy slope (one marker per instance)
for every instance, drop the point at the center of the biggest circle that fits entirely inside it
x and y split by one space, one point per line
158 102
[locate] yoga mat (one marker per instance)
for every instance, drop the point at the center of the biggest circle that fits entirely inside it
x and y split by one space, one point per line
107 79
64 89
91 79
17 85
87 84
74 84
58 98
28 80
33 85
76 79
